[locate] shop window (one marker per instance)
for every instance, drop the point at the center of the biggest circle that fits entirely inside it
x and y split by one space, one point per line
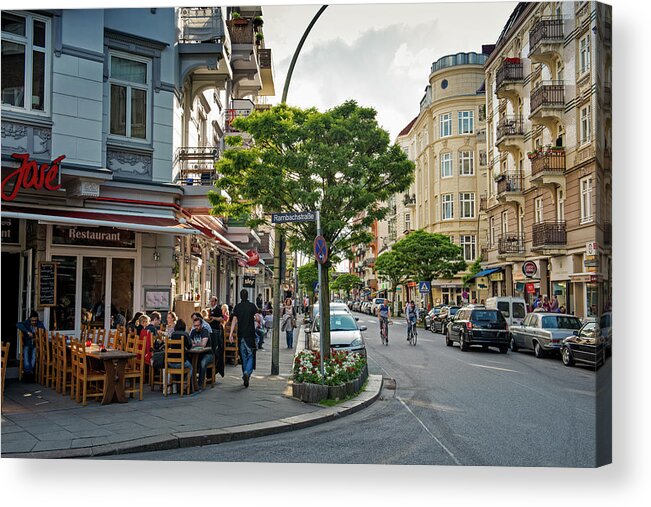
62 316
93 291
122 271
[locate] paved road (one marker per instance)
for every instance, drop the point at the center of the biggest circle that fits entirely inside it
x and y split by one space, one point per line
448 408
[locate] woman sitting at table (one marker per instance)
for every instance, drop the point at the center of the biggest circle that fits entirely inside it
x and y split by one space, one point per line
226 313
134 324
178 333
171 323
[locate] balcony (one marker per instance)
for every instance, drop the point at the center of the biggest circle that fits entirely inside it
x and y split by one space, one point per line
510 245
548 167
546 40
266 73
548 236
510 133
509 187
245 58
409 199
194 168
547 103
509 79
203 44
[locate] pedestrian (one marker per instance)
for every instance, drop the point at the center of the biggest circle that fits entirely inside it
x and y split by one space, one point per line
200 338
268 321
288 323
545 304
29 329
562 309
258 301
226 313
536 302
259 329
553 307
243 318
306 304
465 296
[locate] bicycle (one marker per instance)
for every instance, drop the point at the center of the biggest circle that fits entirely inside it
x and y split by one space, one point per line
412 333
384 331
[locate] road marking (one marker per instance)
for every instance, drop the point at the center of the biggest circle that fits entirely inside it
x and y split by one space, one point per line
430 433
492 367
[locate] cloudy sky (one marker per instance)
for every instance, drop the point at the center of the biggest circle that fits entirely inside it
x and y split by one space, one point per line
378 54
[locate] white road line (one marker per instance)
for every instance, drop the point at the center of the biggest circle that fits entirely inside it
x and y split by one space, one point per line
454 458
492 367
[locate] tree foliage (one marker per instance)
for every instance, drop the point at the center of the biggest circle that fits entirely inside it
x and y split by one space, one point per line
393 268
339 162
346 282
474 268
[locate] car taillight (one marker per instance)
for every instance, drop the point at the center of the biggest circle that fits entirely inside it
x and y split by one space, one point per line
469 326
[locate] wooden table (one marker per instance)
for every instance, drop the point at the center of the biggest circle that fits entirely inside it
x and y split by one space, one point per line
195 353
115 362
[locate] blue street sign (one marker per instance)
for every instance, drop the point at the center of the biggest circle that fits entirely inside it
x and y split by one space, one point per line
315 285
320 250
424 287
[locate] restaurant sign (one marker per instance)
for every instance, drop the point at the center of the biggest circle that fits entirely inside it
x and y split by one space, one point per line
105 237
10 230
30 175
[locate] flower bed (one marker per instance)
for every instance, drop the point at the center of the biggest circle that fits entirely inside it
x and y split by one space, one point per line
344 374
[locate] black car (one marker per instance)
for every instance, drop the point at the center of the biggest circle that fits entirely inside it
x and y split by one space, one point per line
440 322
585 346
478 326
430 316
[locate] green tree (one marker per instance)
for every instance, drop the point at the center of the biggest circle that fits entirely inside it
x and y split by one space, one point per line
339 162
346 282
392 267
474 268
429 256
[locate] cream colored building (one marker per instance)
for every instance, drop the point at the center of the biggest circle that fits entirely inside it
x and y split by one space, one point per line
448 142
549 123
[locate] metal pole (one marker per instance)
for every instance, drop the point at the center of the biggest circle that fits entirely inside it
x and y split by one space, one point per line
275 336
320 269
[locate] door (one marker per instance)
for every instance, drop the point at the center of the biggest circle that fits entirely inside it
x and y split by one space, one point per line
26 284
10 303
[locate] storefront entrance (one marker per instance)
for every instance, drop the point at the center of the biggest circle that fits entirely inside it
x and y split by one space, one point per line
10 305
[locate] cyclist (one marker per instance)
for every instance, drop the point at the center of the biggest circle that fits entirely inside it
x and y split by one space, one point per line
411 313
384 314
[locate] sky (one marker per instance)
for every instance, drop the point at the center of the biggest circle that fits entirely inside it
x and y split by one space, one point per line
377 54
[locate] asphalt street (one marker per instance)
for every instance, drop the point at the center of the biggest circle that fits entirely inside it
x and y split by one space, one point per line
445 407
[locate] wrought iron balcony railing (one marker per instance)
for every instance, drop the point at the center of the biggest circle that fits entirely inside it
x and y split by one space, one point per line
512 125
511 71
548 29
510 181
551 94
548 234
201 24
510 244
196 165
549 160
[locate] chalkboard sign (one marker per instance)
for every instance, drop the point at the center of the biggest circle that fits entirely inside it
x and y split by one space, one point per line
47 287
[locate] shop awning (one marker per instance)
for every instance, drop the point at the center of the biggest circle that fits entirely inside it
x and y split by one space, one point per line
211 233
485 272
134 222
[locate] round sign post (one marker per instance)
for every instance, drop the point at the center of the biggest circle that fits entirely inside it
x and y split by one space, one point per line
320 249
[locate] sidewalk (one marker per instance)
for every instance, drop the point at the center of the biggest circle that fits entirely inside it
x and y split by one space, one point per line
38 422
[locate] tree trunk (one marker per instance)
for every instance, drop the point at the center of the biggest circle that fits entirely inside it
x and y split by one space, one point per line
325 332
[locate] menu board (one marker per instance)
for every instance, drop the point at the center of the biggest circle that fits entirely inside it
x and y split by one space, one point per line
47 288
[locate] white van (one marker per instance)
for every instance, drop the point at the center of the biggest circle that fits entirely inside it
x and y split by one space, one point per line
514 309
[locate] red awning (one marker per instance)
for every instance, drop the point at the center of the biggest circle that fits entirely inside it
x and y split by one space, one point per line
144 223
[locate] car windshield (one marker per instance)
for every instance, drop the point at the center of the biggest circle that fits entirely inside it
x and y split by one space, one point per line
487 316
454 310
339 322
560 322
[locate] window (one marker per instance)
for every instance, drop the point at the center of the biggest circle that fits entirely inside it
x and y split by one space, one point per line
538 210
560 205
584 54
466 163
129 83
445 125
446 165
407 221
491 231
466 122
586 124
467 203
25 61
505 222
447 207
468 246
586 199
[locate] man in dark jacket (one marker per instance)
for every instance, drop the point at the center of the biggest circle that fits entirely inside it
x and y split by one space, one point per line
243 317
28 328
200 337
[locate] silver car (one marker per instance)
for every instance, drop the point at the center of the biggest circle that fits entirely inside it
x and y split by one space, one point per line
543 332
345 334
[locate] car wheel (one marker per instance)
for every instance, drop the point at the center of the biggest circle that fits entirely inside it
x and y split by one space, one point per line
538 350
504 349
566 355
448 342
514 347
463 345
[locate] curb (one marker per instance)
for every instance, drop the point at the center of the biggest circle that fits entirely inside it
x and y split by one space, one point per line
221 435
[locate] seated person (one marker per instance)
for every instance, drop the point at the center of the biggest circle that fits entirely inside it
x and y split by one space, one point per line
180 332
204 324
200 337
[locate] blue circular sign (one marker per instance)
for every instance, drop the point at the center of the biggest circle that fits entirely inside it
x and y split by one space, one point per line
320 250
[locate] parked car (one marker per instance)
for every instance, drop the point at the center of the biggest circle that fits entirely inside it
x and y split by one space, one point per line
586 346
478 326
356 305
514 309
430 316
333 307
543 332
345 333
605 324
439 324
364 307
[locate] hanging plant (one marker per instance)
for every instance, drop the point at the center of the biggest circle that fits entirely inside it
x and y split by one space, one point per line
236 15
258 22
259 37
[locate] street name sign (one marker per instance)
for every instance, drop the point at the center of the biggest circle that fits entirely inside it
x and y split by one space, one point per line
283 218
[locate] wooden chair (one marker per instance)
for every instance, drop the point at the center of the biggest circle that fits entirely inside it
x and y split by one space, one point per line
44 359
87 380
64 378
110 339
5 359
134 374
121 339
175 366
100 336
231 350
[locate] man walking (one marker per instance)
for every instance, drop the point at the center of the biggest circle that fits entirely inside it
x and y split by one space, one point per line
243 317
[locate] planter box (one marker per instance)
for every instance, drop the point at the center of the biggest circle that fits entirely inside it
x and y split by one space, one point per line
297 390
314 393
337 392
350 388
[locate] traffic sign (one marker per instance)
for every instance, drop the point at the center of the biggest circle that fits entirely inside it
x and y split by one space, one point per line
424 287
283 218
320 249
529 269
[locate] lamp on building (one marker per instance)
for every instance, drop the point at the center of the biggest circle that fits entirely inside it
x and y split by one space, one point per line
156 255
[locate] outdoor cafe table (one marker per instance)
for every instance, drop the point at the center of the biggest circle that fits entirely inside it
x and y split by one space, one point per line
195 353
115 362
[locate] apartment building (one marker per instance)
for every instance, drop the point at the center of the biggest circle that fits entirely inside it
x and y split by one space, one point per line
123 112
448 141
549 120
